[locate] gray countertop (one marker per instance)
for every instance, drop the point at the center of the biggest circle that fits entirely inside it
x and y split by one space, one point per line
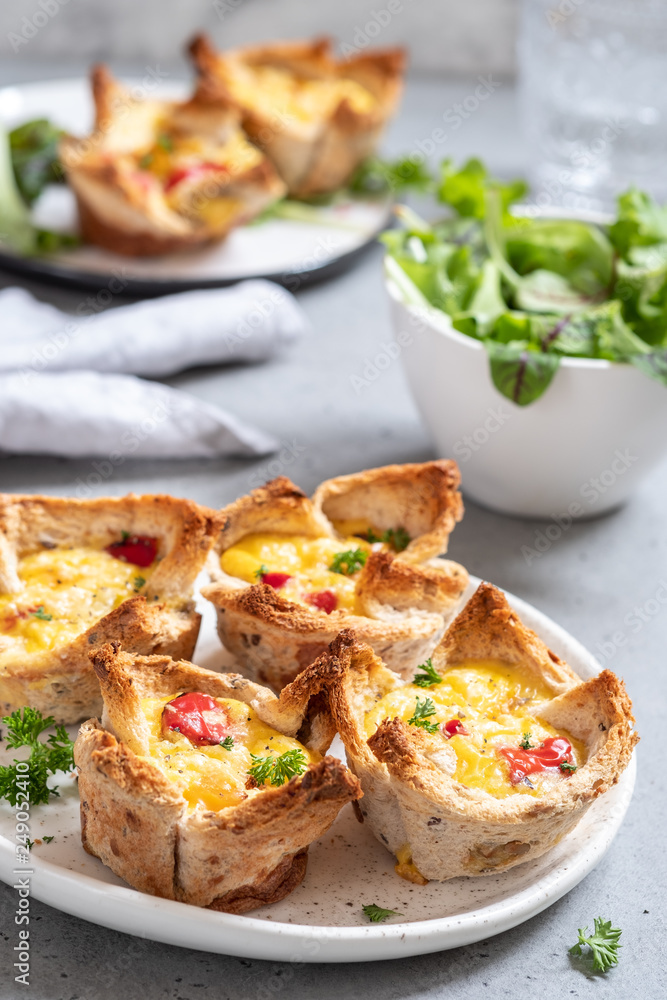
589 581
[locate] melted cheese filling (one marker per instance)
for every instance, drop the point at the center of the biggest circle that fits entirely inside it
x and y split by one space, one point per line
306 559
211 776
271 90
65 592
497 704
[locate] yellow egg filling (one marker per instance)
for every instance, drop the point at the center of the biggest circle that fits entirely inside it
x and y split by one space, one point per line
212 776
65 592
497 704
306 560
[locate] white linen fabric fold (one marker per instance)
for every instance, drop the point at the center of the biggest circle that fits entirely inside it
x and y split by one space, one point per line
250 321
116 417
67 384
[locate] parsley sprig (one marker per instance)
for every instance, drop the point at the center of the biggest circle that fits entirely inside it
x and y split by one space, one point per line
277 770
397 538
376 914
429 677
424 708
40 613
603 944
525 743
24 728
259 573
348 562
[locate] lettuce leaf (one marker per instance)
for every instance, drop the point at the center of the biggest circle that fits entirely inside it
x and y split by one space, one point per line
641 222
465 189
519 372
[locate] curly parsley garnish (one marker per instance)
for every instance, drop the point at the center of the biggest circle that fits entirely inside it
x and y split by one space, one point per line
40 613
525 743
278 770
429 677
348 562
397 538
227 743
424 708
376 914
56 754
567 768
603 944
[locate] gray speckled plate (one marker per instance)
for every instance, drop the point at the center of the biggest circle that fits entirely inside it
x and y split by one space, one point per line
322 921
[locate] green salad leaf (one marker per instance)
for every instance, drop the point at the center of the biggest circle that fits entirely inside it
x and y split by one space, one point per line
535 290
34 152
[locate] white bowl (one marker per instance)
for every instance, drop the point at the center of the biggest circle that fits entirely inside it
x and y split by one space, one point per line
577 451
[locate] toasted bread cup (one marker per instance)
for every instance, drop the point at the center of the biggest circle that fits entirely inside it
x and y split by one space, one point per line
62 593
142 818
398 602
315 117
157 177
421 796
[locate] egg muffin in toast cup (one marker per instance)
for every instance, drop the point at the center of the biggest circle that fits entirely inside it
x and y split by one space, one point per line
78 573
157 176
316 117
204 787
490 756
289 572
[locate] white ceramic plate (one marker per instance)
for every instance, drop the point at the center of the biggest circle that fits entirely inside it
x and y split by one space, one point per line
291 252
322 921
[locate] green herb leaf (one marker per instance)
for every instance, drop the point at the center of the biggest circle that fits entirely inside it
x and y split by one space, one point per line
349 562
375 176
429 677
424 708
568 768
47 840
398 538
227 743
640 222
278 770
41 614
376 914
603 944
262 571
525 743
465 189
139 582
520 373
165 142
34 153
56 754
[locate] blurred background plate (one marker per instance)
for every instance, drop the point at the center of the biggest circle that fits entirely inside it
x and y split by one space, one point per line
292 252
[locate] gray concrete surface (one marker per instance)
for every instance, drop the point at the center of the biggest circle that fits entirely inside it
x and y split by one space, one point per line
590 580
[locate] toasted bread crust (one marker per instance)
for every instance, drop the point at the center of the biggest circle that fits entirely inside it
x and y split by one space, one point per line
124 209
320 157
405 598
161 619
449 828
139 825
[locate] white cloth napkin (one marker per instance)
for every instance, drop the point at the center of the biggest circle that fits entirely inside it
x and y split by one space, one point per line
67 385
249 322
117 417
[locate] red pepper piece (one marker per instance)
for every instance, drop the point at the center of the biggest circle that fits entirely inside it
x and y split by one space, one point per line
197 716
454 728
276 580
555 750
140 550
325 600
192 173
